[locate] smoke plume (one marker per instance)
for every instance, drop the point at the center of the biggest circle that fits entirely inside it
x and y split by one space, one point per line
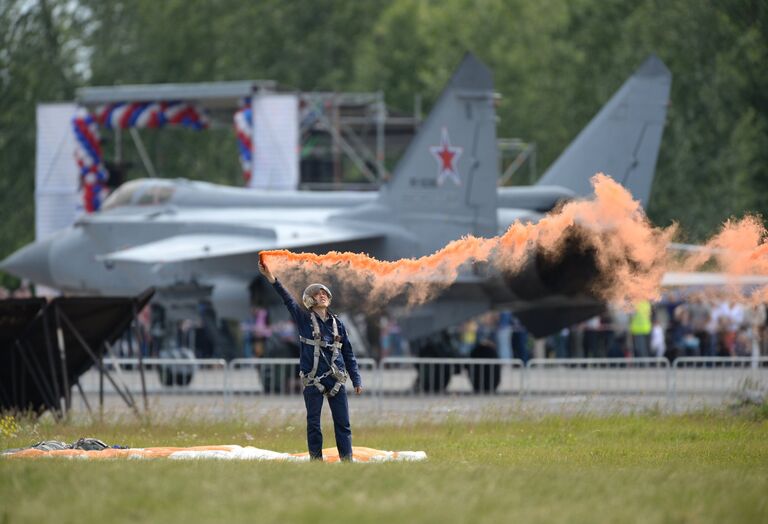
603 247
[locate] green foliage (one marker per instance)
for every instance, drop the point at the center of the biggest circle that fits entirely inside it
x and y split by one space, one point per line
555 63
36 64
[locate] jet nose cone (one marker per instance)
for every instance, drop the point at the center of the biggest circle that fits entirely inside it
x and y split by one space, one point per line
31 262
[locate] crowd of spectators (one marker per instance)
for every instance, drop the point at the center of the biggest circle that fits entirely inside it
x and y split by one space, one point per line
670 328
673 327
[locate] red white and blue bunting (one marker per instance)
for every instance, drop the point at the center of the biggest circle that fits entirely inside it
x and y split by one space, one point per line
90 160
88 152
151 115
244 131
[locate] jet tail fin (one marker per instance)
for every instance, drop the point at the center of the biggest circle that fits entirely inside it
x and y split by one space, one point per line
623 139
450 169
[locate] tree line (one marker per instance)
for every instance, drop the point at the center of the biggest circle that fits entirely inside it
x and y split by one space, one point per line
555 63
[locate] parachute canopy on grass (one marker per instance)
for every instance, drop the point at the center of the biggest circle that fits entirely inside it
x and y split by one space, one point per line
224 452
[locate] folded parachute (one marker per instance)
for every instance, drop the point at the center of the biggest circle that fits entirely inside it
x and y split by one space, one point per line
224 452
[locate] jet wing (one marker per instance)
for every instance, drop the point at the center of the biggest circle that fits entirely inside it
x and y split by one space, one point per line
706 279
201 246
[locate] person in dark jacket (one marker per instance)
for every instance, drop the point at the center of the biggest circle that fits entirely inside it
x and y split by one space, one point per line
326 360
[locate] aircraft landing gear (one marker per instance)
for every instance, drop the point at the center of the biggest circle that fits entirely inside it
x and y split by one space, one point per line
435 377
485 378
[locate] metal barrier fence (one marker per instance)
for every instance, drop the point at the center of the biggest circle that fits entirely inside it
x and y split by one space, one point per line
422 376
698 376
161 376
278 376
416 377
594 376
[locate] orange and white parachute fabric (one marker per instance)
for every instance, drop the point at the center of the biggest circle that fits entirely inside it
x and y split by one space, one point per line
226 452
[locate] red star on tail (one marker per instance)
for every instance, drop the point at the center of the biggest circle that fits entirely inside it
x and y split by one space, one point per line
446 156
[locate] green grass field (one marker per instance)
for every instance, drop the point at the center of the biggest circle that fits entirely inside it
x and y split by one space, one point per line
706 467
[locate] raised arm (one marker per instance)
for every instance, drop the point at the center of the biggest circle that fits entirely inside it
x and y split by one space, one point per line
266 271
293 307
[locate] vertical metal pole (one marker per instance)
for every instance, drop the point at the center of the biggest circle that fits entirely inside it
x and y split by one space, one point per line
148 166
63 358
416 111
118 145
49 350
228 367
378 371
672 388
755 350
431 384
380 135
486 368
137 333
101 386
523 380
43 386
85 399
335 146
126 396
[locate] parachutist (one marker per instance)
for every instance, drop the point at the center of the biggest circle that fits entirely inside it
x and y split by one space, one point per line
326 360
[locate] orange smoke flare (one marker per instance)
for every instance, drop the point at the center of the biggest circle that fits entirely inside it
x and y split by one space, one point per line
611 230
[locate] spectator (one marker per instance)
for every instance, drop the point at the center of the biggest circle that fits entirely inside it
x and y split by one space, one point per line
730 317
606 334
261 330
468 337
742 346
754 320
504 334
373 336
620 322
640 328
726 337
658 342
486 328
384 341
710 344
700 314
560 341
576 341
684 342
395 338
519 340
592 337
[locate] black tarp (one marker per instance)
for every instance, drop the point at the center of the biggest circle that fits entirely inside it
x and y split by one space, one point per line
33 375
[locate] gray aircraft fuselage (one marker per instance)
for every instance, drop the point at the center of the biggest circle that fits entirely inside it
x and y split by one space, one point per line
201 241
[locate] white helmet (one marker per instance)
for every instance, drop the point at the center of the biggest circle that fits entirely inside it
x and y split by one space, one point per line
309 294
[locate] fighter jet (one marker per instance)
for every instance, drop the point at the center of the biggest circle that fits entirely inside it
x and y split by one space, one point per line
194 241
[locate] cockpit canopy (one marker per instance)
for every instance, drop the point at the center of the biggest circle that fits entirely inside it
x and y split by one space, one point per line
143 192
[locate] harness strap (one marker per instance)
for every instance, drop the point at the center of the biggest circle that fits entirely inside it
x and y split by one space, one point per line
322 343
337 374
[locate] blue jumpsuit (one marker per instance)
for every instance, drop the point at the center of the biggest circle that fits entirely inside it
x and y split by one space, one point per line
313 398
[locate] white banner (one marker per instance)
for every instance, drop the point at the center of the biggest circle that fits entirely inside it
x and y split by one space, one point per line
57 201
275 141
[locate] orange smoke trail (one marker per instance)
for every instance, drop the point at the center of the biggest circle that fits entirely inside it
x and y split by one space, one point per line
739 249
610 232
630 255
